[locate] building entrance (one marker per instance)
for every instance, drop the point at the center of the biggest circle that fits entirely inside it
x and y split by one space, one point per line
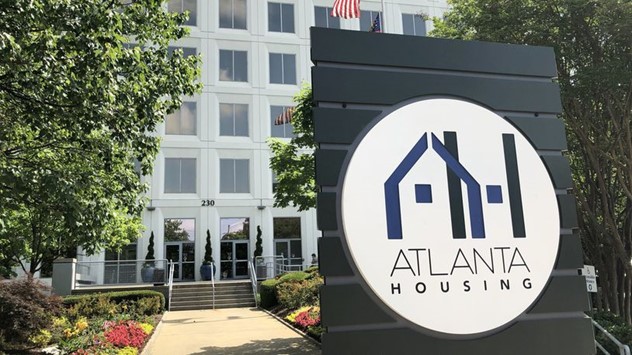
234 259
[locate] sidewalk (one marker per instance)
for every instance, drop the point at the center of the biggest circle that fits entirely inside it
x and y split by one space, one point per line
226 331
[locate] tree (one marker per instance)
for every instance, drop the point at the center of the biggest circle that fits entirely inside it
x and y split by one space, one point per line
258 246
293 161
208 249
82 86
150 251
593 45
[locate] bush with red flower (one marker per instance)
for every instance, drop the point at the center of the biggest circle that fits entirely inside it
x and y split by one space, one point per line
126 333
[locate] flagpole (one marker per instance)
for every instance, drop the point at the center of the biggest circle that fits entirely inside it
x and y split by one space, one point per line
383 16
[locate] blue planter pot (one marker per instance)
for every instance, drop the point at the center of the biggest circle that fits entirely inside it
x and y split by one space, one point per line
147 273
206 271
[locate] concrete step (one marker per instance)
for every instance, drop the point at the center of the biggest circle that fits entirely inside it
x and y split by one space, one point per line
209 285
217 306
176 298
200 295
210 300
210 290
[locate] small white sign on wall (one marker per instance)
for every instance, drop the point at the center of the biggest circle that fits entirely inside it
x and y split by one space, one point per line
591 278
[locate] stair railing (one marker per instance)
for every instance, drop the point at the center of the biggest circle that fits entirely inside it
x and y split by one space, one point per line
213 284
170 282
623 348
253 281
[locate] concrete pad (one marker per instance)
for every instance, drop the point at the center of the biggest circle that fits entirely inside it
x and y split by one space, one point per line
226 331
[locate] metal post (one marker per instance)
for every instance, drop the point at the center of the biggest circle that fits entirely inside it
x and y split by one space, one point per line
383 16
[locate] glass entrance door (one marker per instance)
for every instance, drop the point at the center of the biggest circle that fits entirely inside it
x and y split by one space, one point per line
182 255
234 259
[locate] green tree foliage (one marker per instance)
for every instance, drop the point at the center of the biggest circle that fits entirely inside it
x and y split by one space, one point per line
593 45
208 249
150 248
78 104
293 161
258 243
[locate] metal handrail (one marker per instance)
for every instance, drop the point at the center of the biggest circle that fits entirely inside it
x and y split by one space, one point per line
623 348
213 284
253 281
171 267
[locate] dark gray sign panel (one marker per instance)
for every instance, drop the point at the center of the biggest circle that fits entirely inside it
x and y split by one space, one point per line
448 223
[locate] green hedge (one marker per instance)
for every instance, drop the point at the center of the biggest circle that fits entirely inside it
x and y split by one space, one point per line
294 276
141 302
267 291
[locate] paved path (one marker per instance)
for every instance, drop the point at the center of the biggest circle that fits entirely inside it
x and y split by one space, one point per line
226 331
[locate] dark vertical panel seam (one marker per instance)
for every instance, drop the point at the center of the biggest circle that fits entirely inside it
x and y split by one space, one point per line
513 185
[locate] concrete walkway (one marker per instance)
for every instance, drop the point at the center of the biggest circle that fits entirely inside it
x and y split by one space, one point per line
226 331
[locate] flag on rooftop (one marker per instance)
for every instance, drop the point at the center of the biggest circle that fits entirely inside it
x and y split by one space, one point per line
284 117
346 9
376 27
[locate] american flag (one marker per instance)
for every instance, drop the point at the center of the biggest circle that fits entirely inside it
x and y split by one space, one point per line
346 9
284 117
376 27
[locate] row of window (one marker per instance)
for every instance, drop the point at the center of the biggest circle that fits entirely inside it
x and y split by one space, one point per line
233 14
233 65
179 246
233 121
231 228
181 175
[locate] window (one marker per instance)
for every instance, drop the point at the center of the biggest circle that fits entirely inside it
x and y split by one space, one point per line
414 25
280 130
179 244
234 228
282 68
234 176
180 230
232 14
180 175
280 17
322 18
233 65
275 182
138 169
183 121
367 18
186 51
184 6
120 267
233 120
287 241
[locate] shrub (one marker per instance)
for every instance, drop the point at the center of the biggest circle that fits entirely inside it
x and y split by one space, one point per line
26 308
125 334
312 270
293 276
267 292
616 326
296 294
142 302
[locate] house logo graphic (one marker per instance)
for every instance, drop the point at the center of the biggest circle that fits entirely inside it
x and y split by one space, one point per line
445 205
456 174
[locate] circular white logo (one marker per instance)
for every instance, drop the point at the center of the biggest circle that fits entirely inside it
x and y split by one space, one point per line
450 216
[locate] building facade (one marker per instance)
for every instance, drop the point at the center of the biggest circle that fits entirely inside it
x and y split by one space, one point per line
212 173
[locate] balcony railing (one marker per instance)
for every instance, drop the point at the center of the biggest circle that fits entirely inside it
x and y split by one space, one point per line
268 267
120 272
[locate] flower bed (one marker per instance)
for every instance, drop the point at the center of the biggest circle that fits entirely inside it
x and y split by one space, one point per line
295 297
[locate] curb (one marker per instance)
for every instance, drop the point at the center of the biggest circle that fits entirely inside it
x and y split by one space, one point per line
298 331
153 334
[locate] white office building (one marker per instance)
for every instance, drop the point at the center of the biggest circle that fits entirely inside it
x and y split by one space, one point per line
212 172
